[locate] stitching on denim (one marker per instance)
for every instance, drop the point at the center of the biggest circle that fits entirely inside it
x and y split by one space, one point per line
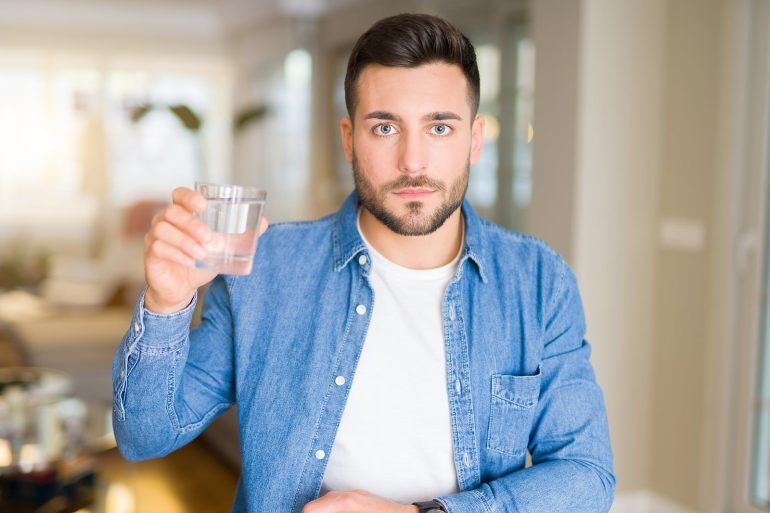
463 366
492 433
160 351
119 397
466 368
521 401
170 389
211 413
348 324
487 506
562 277
161 316
450 365
352 376
131 366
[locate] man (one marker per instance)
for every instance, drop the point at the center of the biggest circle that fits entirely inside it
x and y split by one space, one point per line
400 350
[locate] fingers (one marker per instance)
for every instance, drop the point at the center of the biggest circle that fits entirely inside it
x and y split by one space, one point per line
169 234
165 251
183 220
178 235
189 199
355 501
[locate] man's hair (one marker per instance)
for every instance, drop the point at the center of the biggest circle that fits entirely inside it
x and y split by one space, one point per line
408 41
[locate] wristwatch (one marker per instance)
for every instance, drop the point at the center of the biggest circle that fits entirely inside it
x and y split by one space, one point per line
430 507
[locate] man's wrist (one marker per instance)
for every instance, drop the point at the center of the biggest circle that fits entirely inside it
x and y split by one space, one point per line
151 305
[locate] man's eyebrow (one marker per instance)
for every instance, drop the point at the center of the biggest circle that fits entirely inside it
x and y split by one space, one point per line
381 114
432 116
441 116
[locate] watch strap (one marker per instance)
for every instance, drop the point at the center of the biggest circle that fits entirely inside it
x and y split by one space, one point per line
429 507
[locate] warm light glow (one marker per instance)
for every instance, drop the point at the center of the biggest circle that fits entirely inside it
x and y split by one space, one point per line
30 457
491 128
530 132
6 458
120 499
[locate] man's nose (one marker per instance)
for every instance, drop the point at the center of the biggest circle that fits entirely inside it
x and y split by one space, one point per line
413 153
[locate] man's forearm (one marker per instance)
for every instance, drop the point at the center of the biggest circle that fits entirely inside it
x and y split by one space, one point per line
554 486
158 406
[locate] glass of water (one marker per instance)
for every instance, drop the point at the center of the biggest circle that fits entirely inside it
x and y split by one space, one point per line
233 214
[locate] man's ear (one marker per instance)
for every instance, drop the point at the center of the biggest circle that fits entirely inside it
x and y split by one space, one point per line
477 139
346 137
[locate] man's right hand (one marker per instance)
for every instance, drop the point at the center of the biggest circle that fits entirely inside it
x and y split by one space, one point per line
175 240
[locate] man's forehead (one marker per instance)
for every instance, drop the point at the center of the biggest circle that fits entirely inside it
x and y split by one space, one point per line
426 89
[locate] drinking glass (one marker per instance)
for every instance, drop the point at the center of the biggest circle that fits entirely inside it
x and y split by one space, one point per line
233 214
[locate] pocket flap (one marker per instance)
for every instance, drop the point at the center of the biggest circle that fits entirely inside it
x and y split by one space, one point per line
522 391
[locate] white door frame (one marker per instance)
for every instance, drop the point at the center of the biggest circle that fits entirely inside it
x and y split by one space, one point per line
751 177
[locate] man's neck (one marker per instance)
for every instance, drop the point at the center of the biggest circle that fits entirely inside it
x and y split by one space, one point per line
415 252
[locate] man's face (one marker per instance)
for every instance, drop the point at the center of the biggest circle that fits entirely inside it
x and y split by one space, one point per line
411 143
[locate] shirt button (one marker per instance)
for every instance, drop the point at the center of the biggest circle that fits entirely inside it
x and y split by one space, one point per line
466 460
362 260
340 380
361 309
451 312
136 327
319 454
458 387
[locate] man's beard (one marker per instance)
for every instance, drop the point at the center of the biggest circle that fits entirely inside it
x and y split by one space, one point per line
415 222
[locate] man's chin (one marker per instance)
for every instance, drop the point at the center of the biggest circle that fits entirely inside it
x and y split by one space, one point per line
413 224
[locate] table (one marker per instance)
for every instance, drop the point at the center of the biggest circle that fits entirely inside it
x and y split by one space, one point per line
37 418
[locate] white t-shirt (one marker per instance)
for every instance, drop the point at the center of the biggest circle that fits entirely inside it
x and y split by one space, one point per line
395 436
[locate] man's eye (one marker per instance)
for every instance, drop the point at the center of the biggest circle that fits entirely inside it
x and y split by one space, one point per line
384 129
441 129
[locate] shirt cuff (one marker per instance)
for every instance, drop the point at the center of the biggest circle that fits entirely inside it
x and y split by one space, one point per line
464 502
156 330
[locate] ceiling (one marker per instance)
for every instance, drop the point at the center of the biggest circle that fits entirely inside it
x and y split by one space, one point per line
171 17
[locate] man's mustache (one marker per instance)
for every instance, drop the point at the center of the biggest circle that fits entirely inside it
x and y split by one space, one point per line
407 182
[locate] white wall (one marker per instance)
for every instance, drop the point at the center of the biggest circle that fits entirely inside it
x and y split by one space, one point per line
619 158
597 158
655 128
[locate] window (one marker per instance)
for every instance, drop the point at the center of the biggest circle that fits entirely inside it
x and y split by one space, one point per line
81 140
272 145
149 148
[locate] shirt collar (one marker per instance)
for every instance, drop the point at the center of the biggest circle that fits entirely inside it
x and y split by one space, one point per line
347 242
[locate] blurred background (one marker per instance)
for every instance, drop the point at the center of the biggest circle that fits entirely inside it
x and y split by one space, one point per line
631 135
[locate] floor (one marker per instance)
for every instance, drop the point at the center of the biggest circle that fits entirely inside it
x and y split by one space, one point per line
191 479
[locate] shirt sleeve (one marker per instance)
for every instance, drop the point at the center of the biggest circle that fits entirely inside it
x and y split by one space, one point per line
572 469
169 383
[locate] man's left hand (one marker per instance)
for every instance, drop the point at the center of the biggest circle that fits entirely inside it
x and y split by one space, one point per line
356 501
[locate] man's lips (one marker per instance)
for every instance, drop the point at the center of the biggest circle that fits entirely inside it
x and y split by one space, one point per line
413 193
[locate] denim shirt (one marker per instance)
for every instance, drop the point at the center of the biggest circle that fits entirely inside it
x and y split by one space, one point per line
274 342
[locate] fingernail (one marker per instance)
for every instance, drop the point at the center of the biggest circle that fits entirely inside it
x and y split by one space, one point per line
205 234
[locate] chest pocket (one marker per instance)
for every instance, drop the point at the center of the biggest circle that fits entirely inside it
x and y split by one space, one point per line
514 401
